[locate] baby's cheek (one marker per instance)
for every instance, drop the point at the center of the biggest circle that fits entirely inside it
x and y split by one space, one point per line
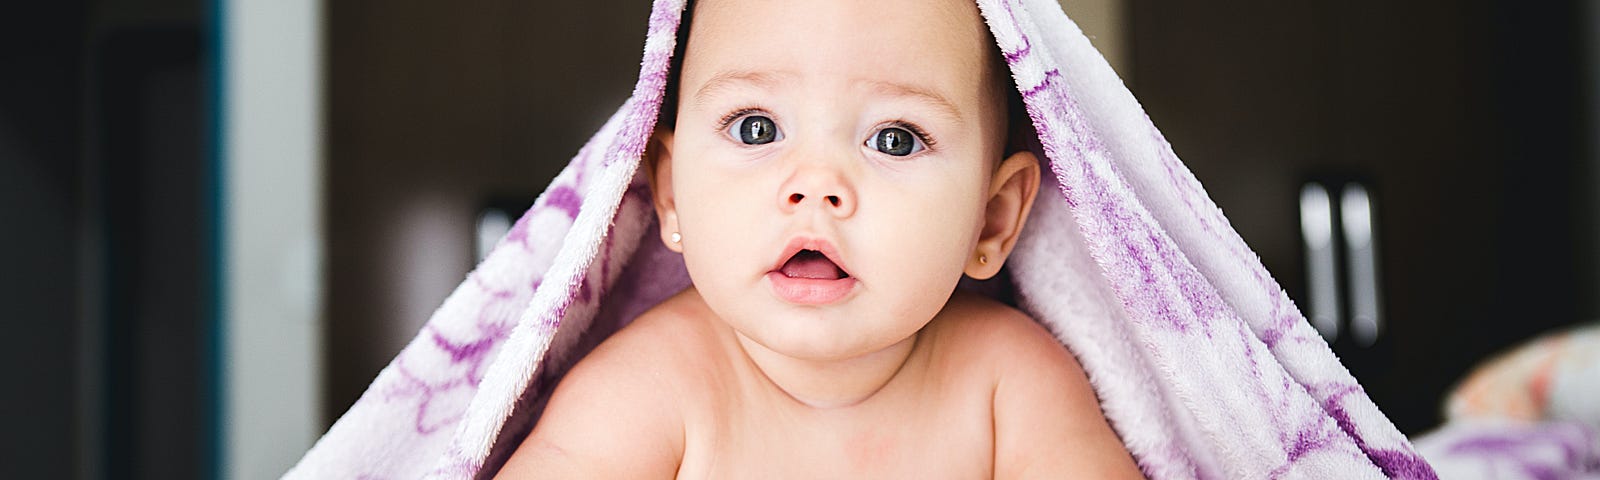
926 252
718 206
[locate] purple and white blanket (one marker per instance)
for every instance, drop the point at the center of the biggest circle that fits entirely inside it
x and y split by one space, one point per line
1202 364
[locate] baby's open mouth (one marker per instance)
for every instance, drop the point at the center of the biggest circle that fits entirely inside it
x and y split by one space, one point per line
811 274
812 264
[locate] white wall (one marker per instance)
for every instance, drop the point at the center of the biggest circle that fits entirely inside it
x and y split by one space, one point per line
272 207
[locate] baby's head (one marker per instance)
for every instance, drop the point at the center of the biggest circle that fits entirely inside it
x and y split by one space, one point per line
832 168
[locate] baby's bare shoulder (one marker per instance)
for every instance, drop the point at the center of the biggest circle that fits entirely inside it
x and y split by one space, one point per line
658 354
617 412
989 332
673 338
1047 420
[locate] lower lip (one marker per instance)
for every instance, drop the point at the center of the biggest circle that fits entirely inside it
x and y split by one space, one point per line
810 291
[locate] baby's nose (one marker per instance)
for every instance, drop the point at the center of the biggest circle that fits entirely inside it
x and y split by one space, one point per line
817 188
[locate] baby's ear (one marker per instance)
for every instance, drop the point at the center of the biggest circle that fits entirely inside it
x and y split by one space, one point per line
658 165
1011 194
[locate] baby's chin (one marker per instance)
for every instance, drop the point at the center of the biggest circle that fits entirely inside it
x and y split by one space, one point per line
826 338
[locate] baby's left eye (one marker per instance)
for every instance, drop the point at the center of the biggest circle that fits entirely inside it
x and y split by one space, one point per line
895 141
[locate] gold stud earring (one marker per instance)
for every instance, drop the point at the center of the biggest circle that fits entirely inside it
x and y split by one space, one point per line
983 259
676 238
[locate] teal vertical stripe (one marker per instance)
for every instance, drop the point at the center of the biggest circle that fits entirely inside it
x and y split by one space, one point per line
215 457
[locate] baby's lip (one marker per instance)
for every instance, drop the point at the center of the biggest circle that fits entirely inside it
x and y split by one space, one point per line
818 244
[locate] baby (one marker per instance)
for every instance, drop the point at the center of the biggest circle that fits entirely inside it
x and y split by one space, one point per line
830 172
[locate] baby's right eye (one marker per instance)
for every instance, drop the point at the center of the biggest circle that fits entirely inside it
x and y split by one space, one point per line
755 130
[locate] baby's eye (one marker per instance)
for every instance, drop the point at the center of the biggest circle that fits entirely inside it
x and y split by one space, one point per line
895 141
755 130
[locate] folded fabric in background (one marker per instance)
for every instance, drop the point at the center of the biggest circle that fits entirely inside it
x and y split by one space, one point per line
1530 413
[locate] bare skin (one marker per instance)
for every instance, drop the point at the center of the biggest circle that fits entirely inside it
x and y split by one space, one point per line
874 369
984 393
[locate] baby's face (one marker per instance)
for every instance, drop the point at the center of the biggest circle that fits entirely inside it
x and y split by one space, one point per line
866 131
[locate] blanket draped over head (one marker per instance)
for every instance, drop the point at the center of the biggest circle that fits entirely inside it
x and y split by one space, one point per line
1202 364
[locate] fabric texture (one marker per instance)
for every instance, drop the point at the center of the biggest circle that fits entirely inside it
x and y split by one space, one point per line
1202 364
1528 413
1512 449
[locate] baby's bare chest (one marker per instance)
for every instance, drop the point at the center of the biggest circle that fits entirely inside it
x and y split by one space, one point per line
949 436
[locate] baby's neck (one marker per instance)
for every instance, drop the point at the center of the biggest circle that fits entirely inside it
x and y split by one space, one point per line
829 384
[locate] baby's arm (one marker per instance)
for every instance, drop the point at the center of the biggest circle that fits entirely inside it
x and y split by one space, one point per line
609 418
1047 421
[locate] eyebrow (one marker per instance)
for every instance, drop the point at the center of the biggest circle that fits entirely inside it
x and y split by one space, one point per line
939 102
727 79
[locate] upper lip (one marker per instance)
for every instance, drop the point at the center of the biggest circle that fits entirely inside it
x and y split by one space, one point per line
818 244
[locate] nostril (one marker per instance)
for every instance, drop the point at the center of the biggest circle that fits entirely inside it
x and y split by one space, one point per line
796 198
833 200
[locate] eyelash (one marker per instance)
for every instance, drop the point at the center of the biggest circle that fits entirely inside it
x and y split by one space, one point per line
928 141
727 120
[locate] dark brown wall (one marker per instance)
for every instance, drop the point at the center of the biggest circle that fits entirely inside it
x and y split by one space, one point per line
1463 116
433 109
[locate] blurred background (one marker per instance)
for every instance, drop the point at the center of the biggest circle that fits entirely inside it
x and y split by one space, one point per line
219 219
